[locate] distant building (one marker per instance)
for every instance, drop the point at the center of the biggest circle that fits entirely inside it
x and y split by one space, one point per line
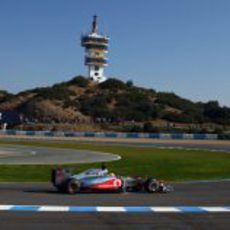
96 48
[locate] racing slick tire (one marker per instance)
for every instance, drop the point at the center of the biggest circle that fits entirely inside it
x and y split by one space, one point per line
151 185
73 186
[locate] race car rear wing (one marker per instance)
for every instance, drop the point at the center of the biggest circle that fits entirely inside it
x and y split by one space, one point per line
60 175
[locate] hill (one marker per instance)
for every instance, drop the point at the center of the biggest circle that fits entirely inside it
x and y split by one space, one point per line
80 104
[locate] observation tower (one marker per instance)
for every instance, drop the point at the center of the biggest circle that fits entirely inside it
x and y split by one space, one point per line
96 48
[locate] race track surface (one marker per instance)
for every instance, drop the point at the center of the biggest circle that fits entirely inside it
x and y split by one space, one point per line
20 155
213 145
210 194
194 194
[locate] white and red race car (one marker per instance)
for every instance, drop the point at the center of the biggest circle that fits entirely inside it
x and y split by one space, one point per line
98 180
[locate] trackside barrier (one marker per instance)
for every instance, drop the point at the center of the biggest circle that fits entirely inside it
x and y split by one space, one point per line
188 136
224 136
113 135
177 136
30 133
154 135
10 132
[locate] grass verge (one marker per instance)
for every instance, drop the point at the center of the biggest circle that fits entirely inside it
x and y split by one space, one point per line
170 165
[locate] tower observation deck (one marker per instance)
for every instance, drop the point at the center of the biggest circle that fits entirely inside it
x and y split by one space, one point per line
96 48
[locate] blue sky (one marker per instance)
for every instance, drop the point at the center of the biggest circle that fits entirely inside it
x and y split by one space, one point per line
180 46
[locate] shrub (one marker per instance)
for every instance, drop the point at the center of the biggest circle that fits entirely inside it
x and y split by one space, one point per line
80 81
54 93
129 83
112 84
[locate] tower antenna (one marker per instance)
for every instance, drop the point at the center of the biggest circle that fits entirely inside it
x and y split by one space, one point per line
94 24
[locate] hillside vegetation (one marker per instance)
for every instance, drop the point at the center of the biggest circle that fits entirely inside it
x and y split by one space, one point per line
112 105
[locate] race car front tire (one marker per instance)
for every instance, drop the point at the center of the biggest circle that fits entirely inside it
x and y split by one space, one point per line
152 185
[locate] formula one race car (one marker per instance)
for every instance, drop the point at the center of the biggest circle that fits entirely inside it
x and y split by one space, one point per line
99 180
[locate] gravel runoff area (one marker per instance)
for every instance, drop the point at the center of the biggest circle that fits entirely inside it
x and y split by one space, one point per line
20 155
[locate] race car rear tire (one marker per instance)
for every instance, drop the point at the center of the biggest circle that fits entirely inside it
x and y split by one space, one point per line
152 185
73 186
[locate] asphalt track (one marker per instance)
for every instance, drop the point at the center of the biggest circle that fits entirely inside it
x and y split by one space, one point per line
212 145
194 194
25 155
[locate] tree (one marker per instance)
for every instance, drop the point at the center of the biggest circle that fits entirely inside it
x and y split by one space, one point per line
129 83
112 84
79 81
